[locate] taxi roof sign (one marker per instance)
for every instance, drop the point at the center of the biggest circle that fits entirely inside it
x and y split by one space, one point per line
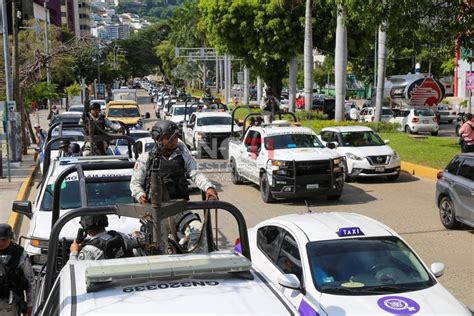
350 231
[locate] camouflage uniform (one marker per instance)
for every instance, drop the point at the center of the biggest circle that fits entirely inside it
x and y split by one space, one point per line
10 306
137 187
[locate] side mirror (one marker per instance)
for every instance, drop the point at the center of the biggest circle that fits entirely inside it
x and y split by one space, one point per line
331 145
23 207
437 269
386 142
147 115
289 281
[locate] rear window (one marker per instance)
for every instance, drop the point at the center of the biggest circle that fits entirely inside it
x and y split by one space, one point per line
424 112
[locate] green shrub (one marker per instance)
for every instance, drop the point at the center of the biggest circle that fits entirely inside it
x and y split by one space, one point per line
383 127
379 127
311 115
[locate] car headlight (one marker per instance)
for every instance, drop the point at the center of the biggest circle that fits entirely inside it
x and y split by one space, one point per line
280 167
201 136
395 155
353 157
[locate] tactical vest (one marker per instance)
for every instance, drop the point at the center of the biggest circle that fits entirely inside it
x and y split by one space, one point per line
97 126
11 276
173 172
269 104
111 244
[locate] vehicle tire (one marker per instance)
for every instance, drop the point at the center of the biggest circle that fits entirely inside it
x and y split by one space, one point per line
447 213
393 177
236 178
450 122
458 127
265 192
407 129
348 178
334 197
434 133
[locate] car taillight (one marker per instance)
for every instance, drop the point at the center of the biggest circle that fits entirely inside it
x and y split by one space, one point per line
439 175
415 120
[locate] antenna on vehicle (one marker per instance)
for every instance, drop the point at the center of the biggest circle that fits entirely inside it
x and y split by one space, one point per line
307 206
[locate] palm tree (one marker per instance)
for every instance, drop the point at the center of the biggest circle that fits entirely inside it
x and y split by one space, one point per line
341 64
381 67
308 57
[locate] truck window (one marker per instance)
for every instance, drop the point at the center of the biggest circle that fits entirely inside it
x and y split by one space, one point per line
292 141
98 194
326 136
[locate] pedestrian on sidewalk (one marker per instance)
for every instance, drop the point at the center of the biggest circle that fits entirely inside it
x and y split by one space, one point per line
466 133
235 99
40 135
34 107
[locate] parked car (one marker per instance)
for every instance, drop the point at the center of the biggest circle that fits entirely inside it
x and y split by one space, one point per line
455 192
445 113
325 105
339 263
368 114
367 155
416 120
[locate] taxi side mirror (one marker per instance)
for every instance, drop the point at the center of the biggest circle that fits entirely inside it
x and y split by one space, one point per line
437 269
23 207
290 281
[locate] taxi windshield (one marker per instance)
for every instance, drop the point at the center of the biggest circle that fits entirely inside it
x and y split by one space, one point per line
98 194
123 112
361 139
292 141
366 266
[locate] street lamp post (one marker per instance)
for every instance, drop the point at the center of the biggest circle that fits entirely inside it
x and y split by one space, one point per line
46 46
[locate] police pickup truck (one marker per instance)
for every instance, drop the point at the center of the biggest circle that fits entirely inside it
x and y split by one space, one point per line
215 283
83 181
286 161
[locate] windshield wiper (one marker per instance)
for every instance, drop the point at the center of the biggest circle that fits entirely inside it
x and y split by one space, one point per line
389 288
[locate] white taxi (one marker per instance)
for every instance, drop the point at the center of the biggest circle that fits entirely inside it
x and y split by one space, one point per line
367 155
347 264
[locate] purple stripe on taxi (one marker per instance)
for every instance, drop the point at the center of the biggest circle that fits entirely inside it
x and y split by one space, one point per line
306 310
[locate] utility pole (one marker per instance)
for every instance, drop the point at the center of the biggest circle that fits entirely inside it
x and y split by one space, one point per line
46 46
8 83
16 87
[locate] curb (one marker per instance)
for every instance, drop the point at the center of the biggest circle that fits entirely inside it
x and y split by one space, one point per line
419 171
15 219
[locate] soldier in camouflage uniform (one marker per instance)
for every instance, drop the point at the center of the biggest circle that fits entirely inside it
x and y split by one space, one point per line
175 163
16 276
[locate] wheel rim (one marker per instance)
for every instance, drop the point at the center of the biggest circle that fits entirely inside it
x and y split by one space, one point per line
446 212
407 129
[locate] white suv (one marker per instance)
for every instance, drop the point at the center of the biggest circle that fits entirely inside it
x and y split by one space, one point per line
367 155
417 120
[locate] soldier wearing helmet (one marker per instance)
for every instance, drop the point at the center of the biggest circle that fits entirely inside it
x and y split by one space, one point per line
64 149
102 244
269 105
95 124
174 162
207 97
16 276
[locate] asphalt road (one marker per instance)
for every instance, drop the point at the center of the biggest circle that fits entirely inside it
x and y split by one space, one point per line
406 205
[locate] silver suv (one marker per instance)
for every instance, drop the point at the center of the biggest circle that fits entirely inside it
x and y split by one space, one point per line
455 192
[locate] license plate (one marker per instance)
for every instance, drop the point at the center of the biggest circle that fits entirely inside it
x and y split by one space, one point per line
379 169
312 186
425 121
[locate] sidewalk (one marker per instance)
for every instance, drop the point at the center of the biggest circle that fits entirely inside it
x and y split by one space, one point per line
20 171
